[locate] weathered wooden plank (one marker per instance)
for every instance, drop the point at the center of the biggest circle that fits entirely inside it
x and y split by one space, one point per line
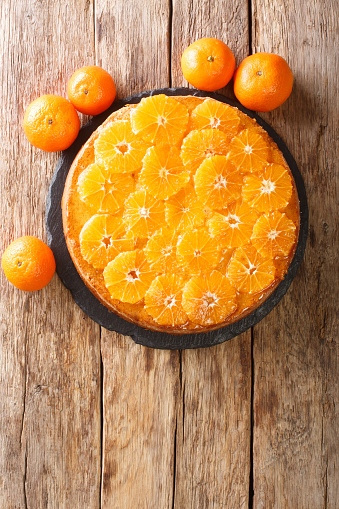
140 385
214 419
295 348
214 426
50 353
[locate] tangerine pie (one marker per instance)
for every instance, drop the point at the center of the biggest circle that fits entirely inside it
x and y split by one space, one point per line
181 214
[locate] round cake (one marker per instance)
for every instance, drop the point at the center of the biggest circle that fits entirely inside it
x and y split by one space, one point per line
181 214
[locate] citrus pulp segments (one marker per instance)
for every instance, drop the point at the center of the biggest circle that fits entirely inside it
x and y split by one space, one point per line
163 173
269 190
129 276
216 115
248 271
184 211
248 151
217 183
102 238
143 214
161 250
160 120
198 252
104 191
234 226
188 219
118 149
201 144
209 300
163 300
273 235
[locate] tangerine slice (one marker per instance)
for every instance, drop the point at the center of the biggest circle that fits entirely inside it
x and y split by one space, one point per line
184 210
215 115
198 252
217 183
248 271
226 255
104 191
118 149
209 300
248 151
273 235
198 145
129 276
143 214
161 250
163 173
102 238
270 190
159 119
163 300
234 226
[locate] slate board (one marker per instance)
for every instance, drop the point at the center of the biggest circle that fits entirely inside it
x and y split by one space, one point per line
99 313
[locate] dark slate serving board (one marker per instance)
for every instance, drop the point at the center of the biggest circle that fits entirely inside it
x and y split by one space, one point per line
99 313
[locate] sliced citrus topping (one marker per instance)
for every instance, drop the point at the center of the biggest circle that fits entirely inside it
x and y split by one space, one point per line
102 238
215 115
184 210
201 144
273 235
161 250
160 120
217 183
198 251
163 173
226 254
143 214
118 149
269 190
248 151
163 300
248 271
104 191
129 276
234 226
209 300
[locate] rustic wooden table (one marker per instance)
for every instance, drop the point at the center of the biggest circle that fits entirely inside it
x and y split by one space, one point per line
87 418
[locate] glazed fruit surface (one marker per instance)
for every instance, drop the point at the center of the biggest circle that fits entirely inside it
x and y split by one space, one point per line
181 213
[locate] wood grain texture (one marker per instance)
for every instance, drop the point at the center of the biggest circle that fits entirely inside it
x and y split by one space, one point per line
214 415
140 385
132 43
214 427
50 354
296 347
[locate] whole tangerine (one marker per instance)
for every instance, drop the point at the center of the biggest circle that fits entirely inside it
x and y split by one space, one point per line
28 263
208 64
91 90
51 123
263 81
